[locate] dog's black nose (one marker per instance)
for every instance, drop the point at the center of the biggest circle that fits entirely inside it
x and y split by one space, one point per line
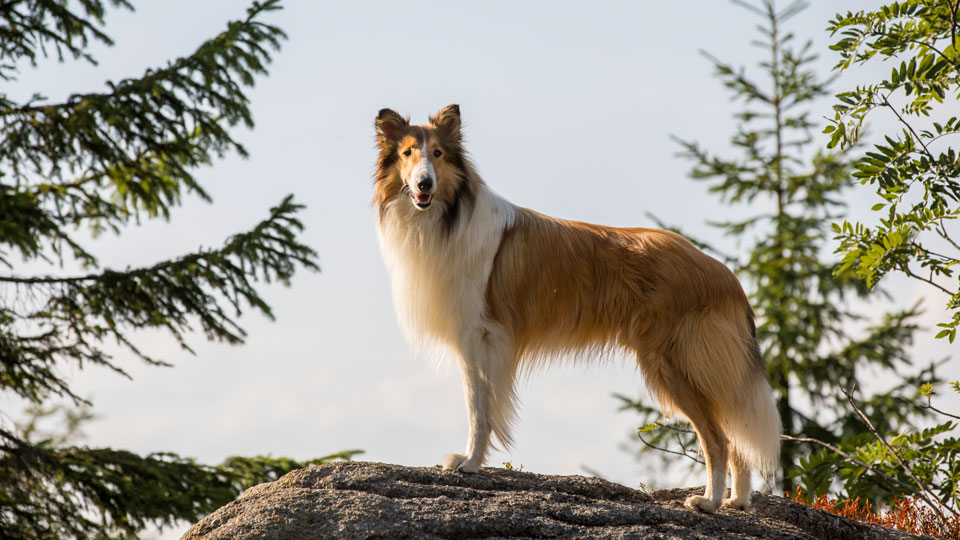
425 184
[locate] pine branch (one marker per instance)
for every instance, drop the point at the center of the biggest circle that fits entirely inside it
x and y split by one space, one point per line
103 159
28 27
80 312
140 140
84 492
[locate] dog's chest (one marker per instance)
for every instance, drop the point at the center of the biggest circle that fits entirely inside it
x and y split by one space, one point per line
439 277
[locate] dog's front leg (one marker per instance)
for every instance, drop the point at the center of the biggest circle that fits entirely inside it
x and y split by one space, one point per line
487 377
477 395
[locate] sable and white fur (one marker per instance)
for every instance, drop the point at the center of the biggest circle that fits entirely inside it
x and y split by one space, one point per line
505 288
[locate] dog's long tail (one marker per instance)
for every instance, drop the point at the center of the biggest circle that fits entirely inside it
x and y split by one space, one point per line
725 364
753 424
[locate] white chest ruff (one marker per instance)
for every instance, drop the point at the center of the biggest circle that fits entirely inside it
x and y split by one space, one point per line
438 278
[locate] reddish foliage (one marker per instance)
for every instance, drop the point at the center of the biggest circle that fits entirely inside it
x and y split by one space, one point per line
908 514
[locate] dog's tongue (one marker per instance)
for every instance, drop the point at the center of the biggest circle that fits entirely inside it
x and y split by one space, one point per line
423 197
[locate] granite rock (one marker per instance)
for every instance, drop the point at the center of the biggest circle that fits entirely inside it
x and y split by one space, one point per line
357 500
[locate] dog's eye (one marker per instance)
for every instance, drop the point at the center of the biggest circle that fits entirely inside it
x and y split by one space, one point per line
407 152
437 153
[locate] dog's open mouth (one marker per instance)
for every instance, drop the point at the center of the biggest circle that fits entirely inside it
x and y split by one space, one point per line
422 200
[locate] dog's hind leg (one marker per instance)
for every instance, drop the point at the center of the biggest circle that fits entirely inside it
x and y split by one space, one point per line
487 369
677 393
714 446
740 470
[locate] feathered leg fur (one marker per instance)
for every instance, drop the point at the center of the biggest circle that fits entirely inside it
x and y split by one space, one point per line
487 369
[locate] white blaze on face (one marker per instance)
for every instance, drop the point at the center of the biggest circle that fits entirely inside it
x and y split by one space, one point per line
423 173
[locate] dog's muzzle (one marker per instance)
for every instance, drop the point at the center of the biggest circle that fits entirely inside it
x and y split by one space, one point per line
422 196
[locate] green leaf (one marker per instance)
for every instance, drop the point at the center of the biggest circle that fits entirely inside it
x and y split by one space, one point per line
649 427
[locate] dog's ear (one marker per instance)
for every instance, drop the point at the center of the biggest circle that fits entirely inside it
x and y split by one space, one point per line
390 126
447 122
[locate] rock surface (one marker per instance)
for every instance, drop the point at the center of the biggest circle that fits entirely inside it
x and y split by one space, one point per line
357 500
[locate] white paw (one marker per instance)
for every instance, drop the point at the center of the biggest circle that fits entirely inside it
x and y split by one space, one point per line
459 463
737 503
701 504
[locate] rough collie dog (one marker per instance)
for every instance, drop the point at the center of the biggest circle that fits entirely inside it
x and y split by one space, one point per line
505 288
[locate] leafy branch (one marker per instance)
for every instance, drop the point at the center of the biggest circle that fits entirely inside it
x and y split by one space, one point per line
921 464
918 186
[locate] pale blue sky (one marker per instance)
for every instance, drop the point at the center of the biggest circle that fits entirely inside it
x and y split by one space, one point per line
568 108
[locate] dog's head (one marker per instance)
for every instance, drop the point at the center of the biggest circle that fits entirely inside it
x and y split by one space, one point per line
424 163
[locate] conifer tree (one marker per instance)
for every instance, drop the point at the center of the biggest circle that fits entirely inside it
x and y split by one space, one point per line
805 327
96 163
